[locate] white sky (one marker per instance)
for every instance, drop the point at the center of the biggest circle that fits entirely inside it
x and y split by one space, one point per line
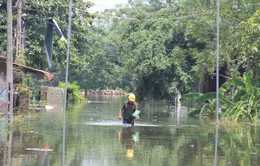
101 5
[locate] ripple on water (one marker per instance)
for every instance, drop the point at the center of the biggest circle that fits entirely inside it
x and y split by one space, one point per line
119 123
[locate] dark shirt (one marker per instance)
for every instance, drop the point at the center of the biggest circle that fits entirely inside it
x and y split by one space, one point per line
129 108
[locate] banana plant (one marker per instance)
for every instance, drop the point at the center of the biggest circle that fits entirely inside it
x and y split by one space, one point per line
239 100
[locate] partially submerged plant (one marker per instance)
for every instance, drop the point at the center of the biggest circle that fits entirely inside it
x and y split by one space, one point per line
239 100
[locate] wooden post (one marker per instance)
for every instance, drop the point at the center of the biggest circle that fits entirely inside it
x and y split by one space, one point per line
9 62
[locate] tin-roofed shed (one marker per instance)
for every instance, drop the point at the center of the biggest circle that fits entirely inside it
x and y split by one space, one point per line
21 100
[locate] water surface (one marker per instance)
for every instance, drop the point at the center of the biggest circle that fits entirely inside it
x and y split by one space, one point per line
95 137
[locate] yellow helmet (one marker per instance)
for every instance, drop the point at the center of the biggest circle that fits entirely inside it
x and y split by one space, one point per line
131 97
130 153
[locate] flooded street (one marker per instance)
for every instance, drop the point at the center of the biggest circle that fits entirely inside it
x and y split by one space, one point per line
130 82
95 137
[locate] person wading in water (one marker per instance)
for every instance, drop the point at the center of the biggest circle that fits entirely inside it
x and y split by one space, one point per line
129 111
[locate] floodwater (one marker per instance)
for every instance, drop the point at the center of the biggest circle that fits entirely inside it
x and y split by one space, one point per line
95 137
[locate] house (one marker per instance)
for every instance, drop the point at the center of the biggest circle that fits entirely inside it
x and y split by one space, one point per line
24 68
23 97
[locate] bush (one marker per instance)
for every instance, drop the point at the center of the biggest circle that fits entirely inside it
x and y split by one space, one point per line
73 91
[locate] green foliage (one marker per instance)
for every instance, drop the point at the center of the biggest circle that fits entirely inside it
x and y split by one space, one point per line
35 23
33 83
73 91
239 100
153 46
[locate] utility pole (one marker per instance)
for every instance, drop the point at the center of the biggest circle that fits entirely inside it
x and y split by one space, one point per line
66 86
217 62
19 35
9 62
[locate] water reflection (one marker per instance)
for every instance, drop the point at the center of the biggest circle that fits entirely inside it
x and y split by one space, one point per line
7 148
45 160
6 137
129 139
64 138
216 147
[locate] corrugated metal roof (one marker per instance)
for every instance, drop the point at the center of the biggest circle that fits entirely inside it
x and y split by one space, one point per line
47 74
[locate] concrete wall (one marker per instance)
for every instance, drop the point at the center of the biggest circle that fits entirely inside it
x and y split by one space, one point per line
54 96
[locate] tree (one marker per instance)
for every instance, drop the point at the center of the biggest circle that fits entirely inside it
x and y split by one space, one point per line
37 13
